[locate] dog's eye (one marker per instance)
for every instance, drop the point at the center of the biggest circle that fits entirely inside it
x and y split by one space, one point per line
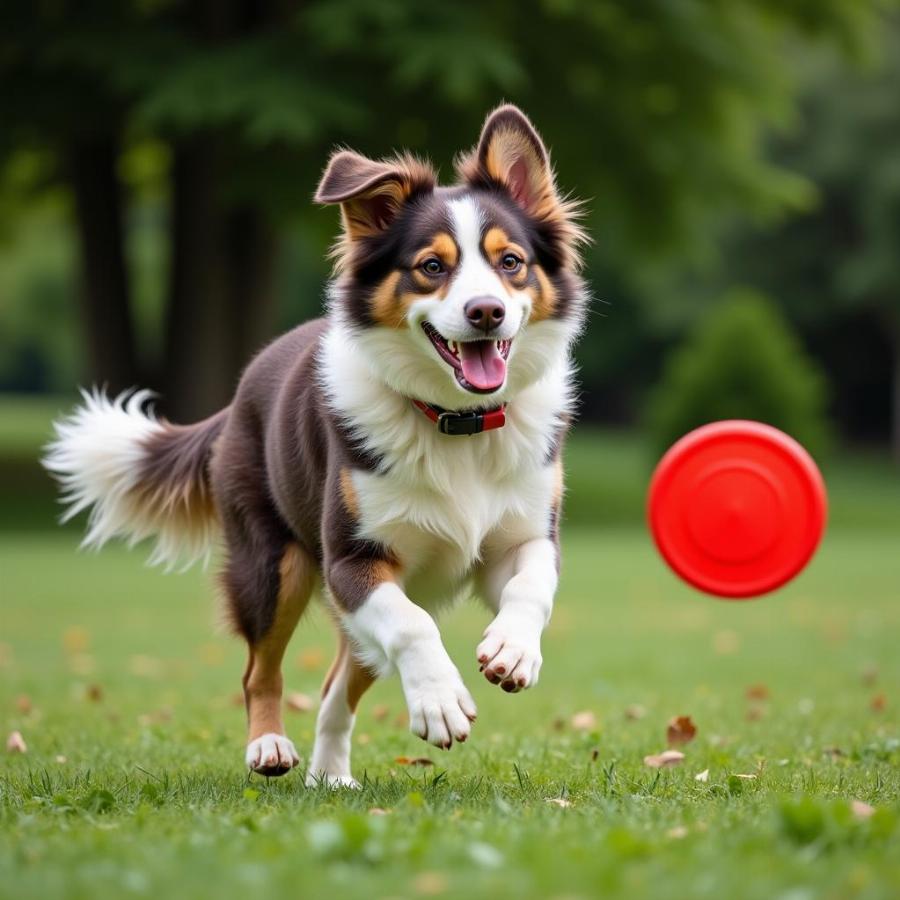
432 266
510 262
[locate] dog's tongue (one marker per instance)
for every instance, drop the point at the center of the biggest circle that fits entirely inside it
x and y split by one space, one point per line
482 365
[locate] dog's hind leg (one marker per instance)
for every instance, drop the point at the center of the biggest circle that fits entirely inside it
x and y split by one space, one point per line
268 589
346 682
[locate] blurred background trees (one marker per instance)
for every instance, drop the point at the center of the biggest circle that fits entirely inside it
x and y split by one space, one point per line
157 160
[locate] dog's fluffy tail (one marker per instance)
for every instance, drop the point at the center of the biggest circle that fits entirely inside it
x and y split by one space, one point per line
139 476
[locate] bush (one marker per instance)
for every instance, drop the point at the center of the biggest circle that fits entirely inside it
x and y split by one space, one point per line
743 362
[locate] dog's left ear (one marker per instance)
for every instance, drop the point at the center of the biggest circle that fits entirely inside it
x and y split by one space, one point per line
511 155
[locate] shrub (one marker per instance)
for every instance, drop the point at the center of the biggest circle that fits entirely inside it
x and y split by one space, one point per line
742 362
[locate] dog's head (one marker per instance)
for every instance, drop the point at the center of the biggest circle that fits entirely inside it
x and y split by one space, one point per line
463 295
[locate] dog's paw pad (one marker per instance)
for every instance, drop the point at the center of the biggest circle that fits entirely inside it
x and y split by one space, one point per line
271 754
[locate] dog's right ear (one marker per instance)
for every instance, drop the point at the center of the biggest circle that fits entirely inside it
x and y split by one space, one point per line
371 192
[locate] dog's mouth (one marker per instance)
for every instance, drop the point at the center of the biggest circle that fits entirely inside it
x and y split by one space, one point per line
479 366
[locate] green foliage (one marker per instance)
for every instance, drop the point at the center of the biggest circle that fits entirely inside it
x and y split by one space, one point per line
743 362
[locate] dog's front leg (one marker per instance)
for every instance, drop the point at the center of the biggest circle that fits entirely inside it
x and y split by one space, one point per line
391 632
520 586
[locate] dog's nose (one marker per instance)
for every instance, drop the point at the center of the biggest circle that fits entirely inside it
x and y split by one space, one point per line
485 312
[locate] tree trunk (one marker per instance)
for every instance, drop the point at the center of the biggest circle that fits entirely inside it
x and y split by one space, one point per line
105 293
895 396
220 303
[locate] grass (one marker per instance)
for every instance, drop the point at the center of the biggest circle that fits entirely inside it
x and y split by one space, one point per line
132 784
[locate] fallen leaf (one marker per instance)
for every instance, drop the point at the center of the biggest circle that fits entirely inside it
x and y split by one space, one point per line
726 642
869 674
430 883
749 777
558 724
76 639
861 810
378 811
635 712
298 702
757 692
380 712
879 703
413 761
680 730
595 755
559 801
584 721
677 833
23 704
702 776
755 712
94 693
61 759
311 659
666 758
401 720
15 743
834 752
363 738
237 699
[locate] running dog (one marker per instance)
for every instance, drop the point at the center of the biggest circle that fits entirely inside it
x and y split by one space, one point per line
401 452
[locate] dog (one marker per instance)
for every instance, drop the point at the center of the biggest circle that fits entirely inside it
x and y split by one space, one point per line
401 452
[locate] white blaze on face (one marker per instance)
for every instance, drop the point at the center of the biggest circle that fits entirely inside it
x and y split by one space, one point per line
474 277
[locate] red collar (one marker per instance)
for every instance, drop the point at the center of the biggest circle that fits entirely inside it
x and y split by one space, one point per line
473 422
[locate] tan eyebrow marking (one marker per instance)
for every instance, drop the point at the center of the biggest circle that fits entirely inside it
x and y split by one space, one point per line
442 246
496 242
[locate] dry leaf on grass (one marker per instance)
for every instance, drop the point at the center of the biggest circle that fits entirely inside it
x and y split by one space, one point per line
380 712
62 760
680 730
297 702
584 721
559 801
757 692
747 777
311 659
23 704
94 693
76 639
635 712
702 776
666 758
834 752
869 674
15 743
861 810
378 811
677 833
879 703
413 761
430 883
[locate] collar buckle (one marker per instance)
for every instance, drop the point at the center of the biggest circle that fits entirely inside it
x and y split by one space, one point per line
455 423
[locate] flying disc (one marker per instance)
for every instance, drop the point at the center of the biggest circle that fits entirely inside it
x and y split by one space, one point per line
737 508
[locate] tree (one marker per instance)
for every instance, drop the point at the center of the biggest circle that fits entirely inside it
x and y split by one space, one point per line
656 110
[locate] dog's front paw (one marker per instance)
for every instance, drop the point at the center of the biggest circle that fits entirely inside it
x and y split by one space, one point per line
510 655
441 709
271 754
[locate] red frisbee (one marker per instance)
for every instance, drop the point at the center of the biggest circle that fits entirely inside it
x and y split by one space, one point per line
737 508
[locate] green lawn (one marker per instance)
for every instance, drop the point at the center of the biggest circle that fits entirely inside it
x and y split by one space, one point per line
133 785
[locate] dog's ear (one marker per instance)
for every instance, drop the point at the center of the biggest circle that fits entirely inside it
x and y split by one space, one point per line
511 155
371 192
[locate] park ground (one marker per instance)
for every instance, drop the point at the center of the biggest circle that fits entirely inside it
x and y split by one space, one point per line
124 691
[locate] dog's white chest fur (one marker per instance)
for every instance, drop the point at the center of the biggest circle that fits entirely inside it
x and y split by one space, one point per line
438 501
